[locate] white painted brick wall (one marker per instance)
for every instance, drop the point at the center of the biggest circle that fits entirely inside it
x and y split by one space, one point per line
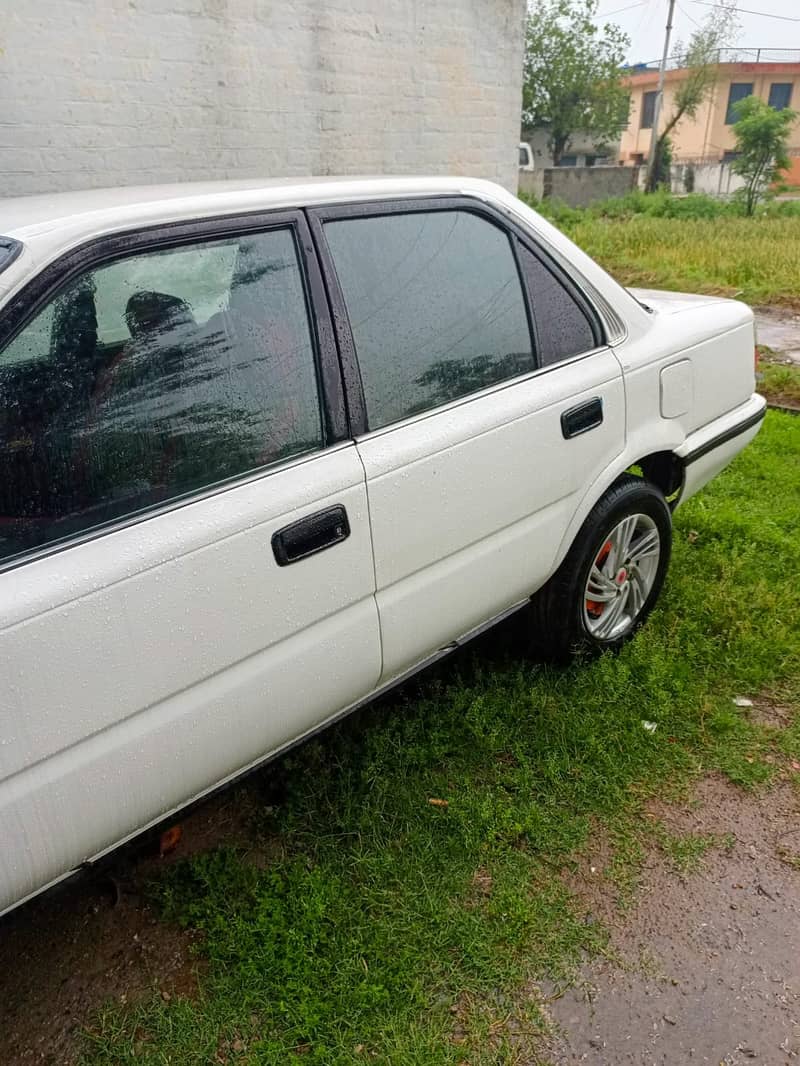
121 92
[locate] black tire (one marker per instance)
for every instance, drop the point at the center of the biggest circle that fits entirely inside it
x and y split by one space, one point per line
558 617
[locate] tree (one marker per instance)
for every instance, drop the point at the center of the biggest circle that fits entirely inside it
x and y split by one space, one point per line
571 78
761 134
701 60
662 161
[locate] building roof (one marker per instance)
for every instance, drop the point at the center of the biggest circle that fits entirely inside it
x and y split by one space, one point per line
637 77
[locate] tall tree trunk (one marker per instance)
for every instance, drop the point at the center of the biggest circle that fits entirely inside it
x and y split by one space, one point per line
558 142
654 176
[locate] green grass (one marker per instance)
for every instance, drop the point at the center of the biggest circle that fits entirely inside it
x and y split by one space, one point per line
780 383
398 932
694 244
687 852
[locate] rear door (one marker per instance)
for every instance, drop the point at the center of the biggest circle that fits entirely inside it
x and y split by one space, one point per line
487 404
186 573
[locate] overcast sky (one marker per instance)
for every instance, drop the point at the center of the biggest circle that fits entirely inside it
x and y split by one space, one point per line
644 23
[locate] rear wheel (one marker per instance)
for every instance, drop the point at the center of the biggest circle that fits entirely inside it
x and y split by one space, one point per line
611 577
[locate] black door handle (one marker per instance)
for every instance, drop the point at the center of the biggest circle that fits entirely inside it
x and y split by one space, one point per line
582 418
310 535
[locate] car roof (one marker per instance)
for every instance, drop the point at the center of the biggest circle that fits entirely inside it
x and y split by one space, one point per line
93 211
46 226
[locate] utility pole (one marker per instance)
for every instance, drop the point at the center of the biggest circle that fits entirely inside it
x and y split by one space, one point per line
659 97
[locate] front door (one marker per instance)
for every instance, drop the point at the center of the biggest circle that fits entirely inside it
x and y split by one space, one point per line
187 579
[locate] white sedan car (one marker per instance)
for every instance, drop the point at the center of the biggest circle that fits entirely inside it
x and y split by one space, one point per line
268 448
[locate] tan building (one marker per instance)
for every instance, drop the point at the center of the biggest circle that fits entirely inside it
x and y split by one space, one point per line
708 137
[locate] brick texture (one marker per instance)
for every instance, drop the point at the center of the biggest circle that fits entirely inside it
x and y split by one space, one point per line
121 92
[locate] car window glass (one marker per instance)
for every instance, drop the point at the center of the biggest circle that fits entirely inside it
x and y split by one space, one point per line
153 377
435 305
562 328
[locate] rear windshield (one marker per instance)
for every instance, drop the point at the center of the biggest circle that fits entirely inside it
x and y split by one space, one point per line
9 250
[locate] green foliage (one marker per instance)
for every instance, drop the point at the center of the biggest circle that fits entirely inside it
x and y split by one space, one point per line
761 135
662 163
780 383
571 78
701 59
381 916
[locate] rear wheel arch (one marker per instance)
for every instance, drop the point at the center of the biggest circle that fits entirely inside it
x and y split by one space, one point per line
663 469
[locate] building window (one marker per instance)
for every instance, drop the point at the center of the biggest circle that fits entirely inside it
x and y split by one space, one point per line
567 161
780 95
738 91
648 110
729 156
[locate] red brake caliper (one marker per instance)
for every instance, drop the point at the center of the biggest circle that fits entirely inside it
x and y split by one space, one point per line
594 608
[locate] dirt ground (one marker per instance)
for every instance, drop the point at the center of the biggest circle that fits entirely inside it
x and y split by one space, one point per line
96 939
703 968
779 329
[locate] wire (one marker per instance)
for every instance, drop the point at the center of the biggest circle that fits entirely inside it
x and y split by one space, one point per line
617 11
643 16
748 11
683 11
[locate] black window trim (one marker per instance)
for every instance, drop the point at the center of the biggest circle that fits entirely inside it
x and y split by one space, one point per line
351 373
20 310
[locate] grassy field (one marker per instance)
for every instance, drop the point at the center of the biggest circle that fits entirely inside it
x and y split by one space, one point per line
779 382
392 930
756 259
692 244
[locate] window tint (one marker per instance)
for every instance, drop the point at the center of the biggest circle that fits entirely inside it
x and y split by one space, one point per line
562 328
780 95
151 377
435 305
648 110
738 91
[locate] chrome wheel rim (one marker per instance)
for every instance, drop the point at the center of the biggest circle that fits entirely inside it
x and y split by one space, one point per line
621 577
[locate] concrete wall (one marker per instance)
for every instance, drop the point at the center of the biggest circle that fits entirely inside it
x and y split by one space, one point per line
578 186
715 179
113 92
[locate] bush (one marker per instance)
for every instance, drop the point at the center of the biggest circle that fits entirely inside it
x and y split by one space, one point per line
660 204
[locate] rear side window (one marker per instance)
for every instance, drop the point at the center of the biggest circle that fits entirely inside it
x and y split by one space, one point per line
562 328
435 305
152 377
